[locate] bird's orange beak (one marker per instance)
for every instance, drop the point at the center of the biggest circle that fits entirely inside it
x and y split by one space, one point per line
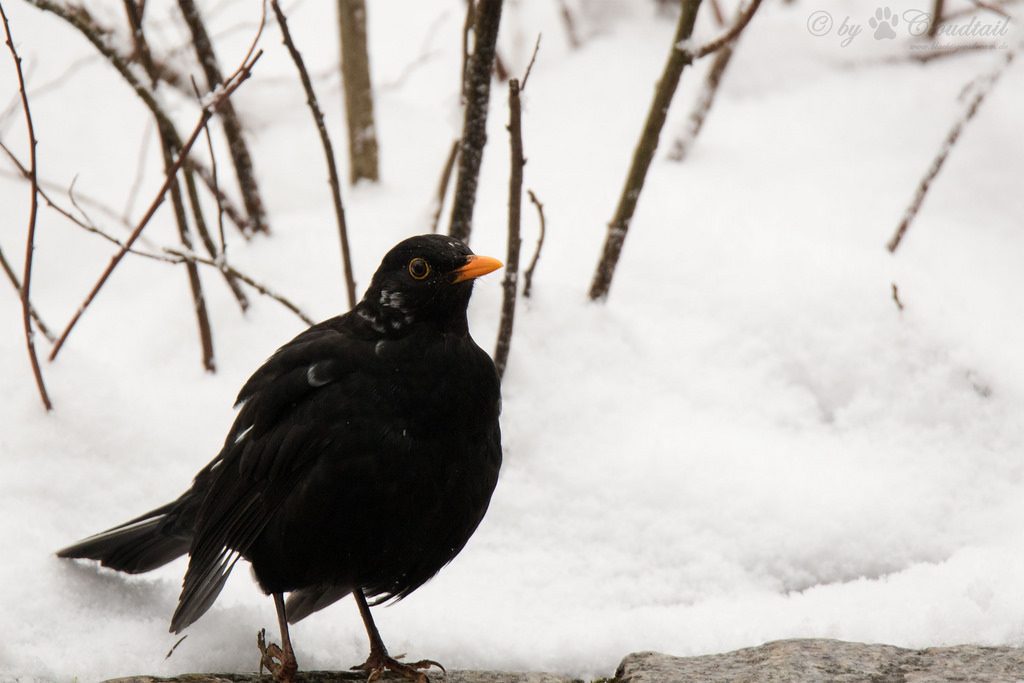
475 267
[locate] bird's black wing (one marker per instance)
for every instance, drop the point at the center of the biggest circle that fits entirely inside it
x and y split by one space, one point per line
267 449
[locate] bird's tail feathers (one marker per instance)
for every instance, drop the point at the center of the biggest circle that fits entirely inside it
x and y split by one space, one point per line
137 546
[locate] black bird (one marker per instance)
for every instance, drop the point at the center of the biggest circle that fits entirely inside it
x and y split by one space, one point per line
362 459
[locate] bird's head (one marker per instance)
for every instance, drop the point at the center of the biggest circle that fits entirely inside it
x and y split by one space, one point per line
427 278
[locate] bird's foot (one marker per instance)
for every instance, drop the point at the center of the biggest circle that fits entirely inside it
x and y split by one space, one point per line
379 662
280 662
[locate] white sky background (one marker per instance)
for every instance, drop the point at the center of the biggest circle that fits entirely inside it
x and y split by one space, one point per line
747 442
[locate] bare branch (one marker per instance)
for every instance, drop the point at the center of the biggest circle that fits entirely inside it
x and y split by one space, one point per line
510 283
741 23
262 289
13 277
81 20
528 276
570 25
896 297
200 220
442 185
237 146
529 67
234 214
171 256
325 140
933 27
169 146
695 121
26 306
216 185
477 91
983 88
140 173
467 29
355 77
243 72
643 154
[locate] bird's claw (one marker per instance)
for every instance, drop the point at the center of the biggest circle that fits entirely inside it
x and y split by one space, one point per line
278 662
376 664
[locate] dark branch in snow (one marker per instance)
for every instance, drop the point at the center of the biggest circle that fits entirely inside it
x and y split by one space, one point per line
355 81
741 23
467 29
896 297
183 257
937 7
13 277
325 140
170 144
699 113
243 72
529 67
982 87
216 252
442 185
510 284
643 154
528 275
171 256
237 146
81 20
477 91
26 305
569 23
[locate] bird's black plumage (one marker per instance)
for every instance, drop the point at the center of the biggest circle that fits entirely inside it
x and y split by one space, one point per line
363 456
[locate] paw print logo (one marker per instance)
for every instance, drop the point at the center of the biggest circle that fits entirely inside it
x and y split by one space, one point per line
883 22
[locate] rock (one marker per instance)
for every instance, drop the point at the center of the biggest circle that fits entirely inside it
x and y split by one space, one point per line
347 676
831 661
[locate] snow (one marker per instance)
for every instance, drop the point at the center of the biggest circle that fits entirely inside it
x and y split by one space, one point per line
748 441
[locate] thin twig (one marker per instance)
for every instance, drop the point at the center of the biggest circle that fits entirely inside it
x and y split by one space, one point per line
237 146
529 67
741 23
26 306
983 88
81 20
528 275
442 185
234 214
13 277
169 147
570 25
702 107
216 185
325 140
171 256
140 173
262 289
896 297
204 233
510 283
933 27
234 81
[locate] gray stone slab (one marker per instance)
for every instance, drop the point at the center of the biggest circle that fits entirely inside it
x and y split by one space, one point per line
830 661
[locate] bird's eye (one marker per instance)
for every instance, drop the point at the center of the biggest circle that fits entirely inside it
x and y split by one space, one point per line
419 268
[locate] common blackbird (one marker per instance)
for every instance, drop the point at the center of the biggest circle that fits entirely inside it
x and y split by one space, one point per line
362 459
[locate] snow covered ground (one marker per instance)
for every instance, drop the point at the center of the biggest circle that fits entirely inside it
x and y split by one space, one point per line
747 442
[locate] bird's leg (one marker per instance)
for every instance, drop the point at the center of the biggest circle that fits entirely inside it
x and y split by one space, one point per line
279 660
379 661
